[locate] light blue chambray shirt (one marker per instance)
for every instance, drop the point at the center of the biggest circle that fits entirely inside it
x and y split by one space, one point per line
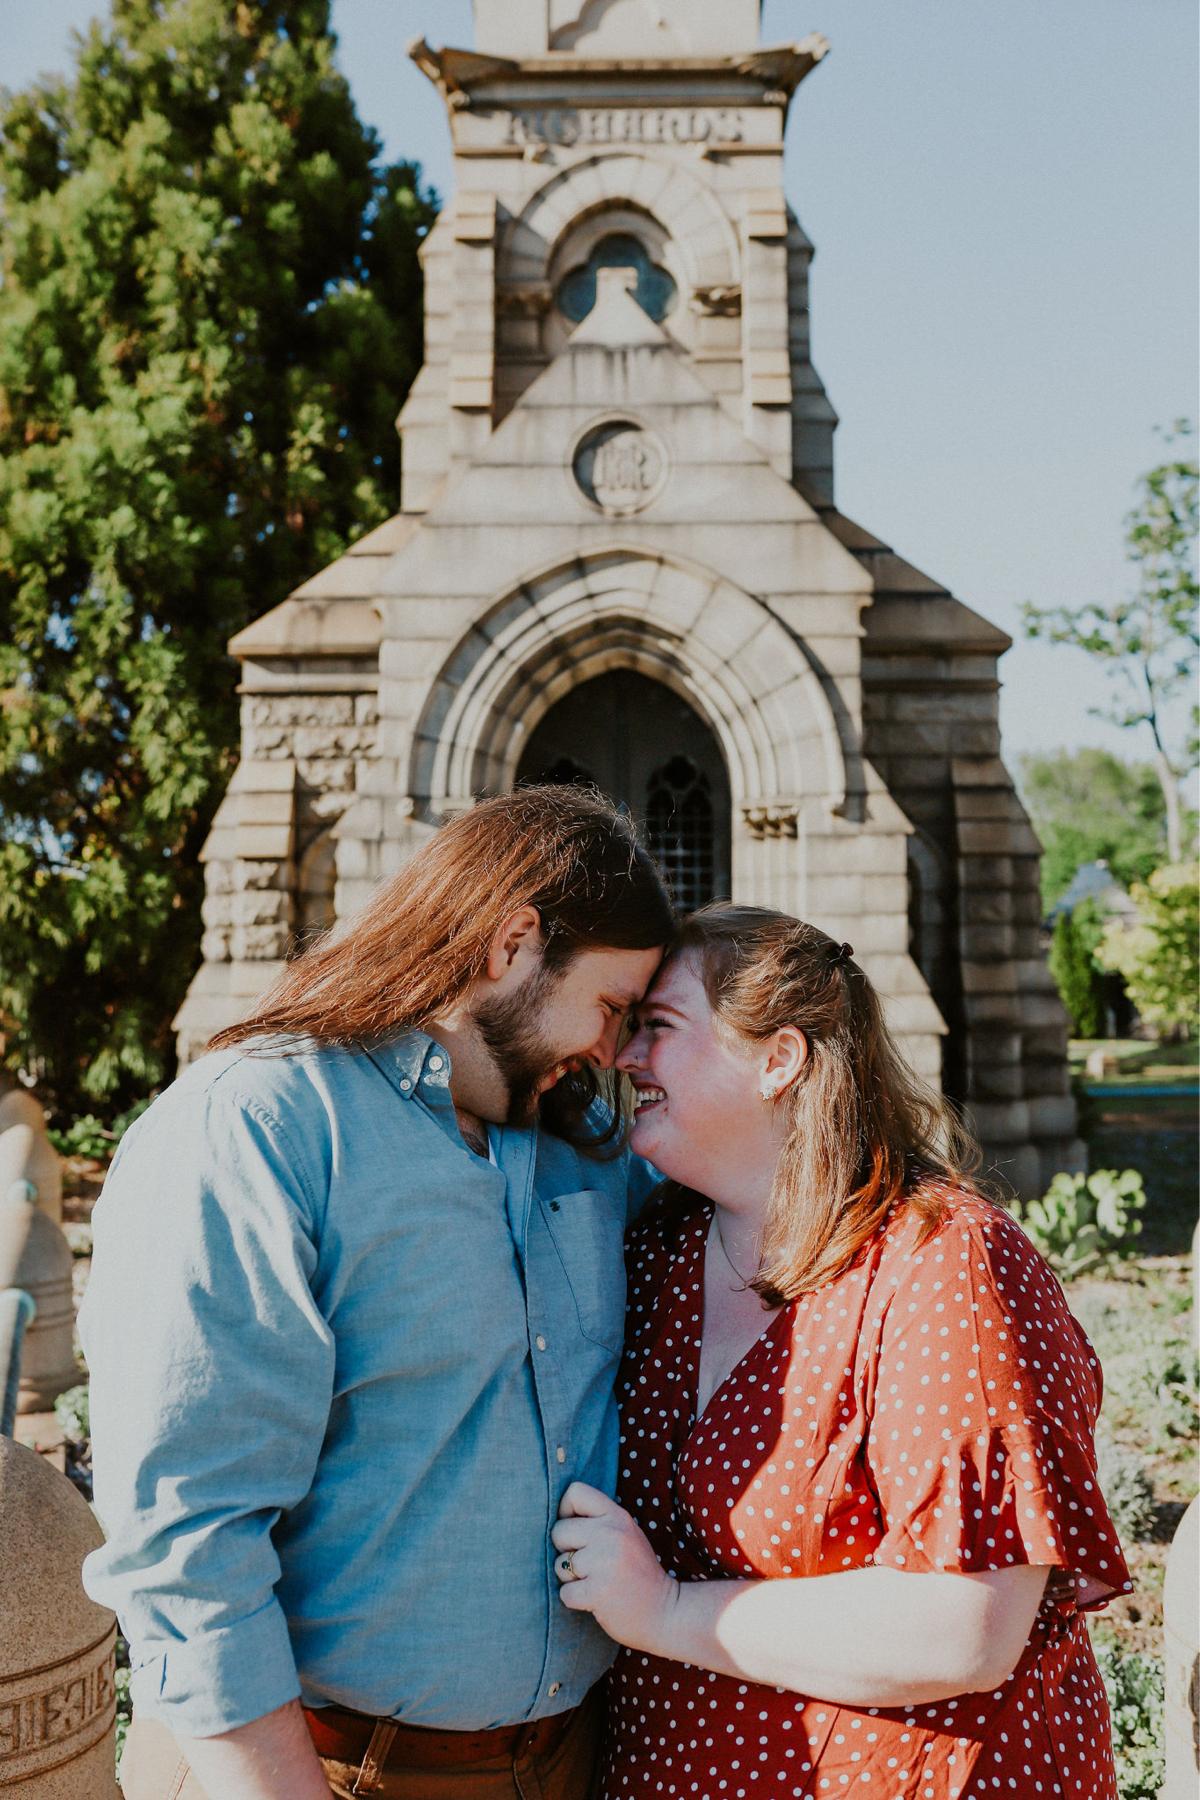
342 1372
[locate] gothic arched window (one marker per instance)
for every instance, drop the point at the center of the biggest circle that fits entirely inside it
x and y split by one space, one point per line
655 292
679 830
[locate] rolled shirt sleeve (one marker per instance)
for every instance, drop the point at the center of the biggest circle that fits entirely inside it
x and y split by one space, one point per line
212 1372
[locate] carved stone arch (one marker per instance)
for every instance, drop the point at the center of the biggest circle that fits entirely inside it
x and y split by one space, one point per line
316 880
715 645
685 207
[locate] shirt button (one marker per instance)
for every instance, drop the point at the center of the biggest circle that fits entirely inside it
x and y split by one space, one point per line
405 1085
561 1454
435 1062
553 1688
540 1341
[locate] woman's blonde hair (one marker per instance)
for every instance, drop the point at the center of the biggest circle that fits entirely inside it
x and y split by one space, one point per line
864 1133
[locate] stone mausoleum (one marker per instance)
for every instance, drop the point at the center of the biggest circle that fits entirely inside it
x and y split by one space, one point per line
618 557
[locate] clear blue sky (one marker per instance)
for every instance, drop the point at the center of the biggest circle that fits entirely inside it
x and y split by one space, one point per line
1003 198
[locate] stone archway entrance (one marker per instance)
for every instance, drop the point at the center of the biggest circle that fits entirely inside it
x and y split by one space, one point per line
646 748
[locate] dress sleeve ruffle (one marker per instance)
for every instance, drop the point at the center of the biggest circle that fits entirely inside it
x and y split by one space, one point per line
1022 1493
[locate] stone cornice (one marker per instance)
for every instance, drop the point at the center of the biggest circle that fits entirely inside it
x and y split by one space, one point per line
777 71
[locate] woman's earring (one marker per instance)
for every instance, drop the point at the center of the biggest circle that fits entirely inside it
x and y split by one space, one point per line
768 1093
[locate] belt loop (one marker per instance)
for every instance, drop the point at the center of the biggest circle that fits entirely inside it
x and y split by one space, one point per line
370 1776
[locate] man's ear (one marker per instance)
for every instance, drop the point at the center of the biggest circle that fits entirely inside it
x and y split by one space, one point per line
521 933
786 1055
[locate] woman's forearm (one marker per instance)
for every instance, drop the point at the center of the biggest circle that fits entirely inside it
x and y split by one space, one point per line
272 1758
868 1637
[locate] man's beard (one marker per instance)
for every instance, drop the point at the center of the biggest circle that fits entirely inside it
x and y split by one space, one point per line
512 1033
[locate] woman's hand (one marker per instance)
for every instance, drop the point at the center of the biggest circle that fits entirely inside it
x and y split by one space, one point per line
613 1573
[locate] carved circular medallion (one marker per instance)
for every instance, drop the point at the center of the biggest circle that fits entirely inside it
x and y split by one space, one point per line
620 467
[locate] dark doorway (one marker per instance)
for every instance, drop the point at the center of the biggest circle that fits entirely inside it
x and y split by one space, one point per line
647 749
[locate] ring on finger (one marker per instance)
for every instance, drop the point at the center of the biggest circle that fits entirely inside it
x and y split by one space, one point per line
565 1567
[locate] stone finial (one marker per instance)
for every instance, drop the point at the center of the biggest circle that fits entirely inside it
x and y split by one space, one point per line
35 1257
57 1691
1181 1632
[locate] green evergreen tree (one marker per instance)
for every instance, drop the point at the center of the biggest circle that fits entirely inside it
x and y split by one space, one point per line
209 313
1076 977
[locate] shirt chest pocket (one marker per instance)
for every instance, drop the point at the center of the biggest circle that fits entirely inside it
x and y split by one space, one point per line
587 1230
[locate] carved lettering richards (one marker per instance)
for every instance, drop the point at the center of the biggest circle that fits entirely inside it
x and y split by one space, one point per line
568 125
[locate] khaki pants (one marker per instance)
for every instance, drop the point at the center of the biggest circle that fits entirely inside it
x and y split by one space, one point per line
152 1769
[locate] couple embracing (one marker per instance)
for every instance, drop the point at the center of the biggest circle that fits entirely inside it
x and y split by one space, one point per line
423 1389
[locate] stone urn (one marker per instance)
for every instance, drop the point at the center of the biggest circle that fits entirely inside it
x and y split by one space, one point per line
57 1697
26 1153
35 1256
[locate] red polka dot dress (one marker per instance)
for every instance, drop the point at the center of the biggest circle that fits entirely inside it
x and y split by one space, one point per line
932 1408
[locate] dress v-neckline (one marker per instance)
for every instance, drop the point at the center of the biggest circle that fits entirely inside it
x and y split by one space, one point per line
697 1274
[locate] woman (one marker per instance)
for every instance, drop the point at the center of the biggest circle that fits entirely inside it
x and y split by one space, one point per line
842 1364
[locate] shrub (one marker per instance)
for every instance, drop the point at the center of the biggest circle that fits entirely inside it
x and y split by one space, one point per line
85 1136
72 1412
89 1136
1127 1489
1150 1376
1134 1683
1083 1220
1159 956
1076 977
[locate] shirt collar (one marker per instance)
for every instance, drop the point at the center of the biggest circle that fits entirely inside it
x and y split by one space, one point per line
416 1063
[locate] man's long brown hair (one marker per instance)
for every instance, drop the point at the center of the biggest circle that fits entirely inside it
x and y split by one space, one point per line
864 1134
424 938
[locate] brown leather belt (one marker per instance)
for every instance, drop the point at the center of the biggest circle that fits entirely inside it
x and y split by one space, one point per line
344 1736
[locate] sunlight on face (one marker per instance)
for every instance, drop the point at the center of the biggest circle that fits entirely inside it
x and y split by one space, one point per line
699 1109
585 1010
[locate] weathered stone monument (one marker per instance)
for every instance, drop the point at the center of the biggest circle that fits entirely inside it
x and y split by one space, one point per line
57 1692
618 556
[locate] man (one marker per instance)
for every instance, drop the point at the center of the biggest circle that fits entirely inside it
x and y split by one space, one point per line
353 1321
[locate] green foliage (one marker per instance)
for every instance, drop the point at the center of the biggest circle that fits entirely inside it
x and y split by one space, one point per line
124 1701
1134 1684
1147 643
1127 1489
85 1136
1159 956
72 1410
89 1136
209 312
1083 1220
1075 975
1089 806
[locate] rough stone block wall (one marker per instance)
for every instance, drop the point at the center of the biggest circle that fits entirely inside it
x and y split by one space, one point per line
931 728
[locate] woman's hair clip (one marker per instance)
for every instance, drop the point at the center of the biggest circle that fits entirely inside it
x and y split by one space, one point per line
841 955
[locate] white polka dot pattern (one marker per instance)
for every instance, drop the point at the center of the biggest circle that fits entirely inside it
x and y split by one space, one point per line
931 1408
